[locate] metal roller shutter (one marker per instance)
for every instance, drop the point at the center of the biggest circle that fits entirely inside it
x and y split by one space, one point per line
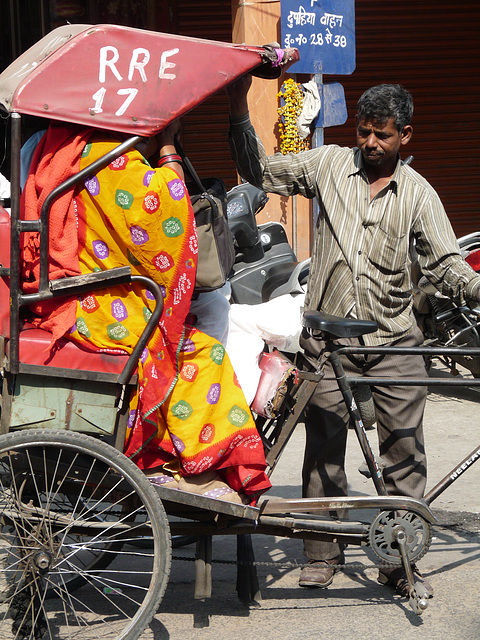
432 48
205 129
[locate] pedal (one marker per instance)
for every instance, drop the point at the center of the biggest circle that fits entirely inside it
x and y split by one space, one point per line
418 599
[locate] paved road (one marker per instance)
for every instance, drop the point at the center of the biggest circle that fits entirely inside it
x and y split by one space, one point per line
355 606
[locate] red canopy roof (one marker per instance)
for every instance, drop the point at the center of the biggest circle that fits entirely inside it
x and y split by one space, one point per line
119 78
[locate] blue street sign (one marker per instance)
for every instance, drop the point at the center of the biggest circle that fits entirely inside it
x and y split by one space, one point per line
333 110
324 33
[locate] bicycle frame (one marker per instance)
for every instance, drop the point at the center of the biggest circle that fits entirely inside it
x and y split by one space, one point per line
347 382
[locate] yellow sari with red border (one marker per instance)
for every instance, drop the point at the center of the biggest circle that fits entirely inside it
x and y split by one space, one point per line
189 408
188 412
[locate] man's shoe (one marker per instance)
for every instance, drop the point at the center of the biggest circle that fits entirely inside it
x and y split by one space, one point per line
396 577
319 573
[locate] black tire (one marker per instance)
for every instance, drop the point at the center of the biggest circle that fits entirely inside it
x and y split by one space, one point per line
363 398
70 506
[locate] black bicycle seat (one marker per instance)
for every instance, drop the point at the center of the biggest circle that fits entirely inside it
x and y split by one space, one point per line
337 326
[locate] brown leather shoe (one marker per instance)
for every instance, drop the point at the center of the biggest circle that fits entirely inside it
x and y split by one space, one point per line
396 577
319 573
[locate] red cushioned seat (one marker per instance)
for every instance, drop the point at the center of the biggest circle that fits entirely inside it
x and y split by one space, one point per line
34 343
34 349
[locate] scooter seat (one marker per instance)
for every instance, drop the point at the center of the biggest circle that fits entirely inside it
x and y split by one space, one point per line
285 277
276 276
34 349
337 326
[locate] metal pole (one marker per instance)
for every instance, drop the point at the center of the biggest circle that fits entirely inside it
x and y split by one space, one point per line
294 210
317 141
16 122
294 224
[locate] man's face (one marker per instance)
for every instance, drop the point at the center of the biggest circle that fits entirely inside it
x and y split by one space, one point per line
380 142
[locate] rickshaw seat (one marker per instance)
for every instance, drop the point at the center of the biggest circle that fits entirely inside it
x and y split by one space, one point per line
34 343
34 349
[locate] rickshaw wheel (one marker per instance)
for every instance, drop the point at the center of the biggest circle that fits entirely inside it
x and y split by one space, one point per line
70 507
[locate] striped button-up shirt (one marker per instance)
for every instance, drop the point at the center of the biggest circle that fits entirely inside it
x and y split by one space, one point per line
361 262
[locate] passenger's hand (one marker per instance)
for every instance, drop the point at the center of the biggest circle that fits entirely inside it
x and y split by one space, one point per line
166 147
147 147
237 93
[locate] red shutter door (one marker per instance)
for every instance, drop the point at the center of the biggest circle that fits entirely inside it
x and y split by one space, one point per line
432 48
205 129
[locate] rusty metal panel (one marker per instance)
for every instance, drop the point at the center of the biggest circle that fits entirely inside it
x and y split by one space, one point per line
66 403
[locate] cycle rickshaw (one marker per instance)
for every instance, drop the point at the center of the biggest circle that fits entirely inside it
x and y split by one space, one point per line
85 538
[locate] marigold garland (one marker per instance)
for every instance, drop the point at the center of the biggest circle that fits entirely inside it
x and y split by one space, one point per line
291 95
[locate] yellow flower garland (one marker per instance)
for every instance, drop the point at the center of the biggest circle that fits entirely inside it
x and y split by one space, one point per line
292 96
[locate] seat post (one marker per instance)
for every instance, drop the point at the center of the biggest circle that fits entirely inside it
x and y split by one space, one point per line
354 412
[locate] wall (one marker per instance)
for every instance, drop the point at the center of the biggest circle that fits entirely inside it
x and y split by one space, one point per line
259 23
432 48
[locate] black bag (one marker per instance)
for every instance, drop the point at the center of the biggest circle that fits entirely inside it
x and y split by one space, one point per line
216 252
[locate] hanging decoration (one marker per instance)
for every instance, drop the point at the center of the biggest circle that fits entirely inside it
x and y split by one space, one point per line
291 105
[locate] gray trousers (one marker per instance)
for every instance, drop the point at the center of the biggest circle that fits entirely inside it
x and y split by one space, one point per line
399 412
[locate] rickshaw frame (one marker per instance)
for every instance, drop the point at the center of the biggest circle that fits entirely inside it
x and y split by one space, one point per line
193 514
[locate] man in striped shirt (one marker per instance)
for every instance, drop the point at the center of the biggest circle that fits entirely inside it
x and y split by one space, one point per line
372 207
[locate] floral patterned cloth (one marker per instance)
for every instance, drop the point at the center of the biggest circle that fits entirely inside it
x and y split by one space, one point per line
189 412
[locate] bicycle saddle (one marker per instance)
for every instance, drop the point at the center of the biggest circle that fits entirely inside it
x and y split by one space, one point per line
337 326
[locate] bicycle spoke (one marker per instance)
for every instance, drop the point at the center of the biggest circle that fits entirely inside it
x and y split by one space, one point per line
69 513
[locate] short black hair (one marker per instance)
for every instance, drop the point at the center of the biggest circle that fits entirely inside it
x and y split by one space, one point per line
384 101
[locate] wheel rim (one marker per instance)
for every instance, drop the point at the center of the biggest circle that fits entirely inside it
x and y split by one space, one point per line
67 568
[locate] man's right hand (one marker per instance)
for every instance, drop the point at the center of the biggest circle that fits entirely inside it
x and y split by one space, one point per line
237 93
